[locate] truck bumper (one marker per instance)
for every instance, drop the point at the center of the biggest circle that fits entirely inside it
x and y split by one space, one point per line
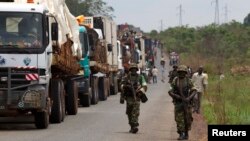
21 101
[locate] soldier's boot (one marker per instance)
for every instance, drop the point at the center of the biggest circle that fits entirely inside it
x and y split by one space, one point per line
134 130
186 135
182 136
130 131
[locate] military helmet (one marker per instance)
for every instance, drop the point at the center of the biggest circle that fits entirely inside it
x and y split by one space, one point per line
175 66
182 68
133 66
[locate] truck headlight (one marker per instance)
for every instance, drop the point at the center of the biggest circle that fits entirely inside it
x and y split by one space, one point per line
33 98
4 78
31 95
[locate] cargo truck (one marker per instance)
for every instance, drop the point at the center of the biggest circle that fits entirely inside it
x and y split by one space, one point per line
103 58
39 60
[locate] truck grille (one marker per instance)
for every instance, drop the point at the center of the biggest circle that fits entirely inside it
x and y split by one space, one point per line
15 78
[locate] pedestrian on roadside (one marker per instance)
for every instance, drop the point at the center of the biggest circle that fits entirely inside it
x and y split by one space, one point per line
162 62
133 89
155 73
200 83
150 75
182 92
172 74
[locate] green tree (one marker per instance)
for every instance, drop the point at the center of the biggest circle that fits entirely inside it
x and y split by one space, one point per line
90 8
153 34
247 20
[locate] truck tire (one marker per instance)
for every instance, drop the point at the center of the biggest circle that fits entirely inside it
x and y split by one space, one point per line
57 109
94 85
112 90
119 84
72 97
114 86
63 99
102 88
41 120
85 99
107 87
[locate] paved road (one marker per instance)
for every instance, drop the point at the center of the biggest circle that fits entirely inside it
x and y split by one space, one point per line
106 121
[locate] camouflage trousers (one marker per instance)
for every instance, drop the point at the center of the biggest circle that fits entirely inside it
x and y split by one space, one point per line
133 111
180 117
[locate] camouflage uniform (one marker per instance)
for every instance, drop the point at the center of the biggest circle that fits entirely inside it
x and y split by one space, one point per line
182 92
133 101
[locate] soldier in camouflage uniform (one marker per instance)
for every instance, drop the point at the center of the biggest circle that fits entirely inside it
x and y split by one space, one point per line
133 88
182 92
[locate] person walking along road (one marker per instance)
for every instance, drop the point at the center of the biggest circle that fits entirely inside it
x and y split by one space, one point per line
182 92
155 73
133 88
200 82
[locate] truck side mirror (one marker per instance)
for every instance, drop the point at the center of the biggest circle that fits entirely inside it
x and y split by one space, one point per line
54 31
140 57
110 47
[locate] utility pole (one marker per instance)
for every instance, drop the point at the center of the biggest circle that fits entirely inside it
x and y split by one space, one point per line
161 26
226 13
217 13
180 15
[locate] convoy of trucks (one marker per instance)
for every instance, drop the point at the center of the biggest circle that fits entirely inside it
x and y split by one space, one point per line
51 61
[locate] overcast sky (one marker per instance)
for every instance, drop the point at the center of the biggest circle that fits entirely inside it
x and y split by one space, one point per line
148 14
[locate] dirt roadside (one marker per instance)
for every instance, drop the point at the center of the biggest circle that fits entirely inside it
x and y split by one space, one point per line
199 128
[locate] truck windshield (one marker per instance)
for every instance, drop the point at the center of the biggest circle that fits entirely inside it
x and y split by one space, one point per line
21 30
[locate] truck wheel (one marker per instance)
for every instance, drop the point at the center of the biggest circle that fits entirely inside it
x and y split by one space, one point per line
85 99
63 99
95 96
107 88
41 120
119 83
116 85
72 97
112 90
57 109
102 89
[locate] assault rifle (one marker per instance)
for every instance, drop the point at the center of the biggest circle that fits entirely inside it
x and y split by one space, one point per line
137 92
133 90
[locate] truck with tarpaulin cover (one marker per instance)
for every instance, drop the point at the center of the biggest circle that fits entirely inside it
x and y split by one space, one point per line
132 46
103 57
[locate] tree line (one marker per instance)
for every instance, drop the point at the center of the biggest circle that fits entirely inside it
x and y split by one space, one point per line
90 8
227 44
